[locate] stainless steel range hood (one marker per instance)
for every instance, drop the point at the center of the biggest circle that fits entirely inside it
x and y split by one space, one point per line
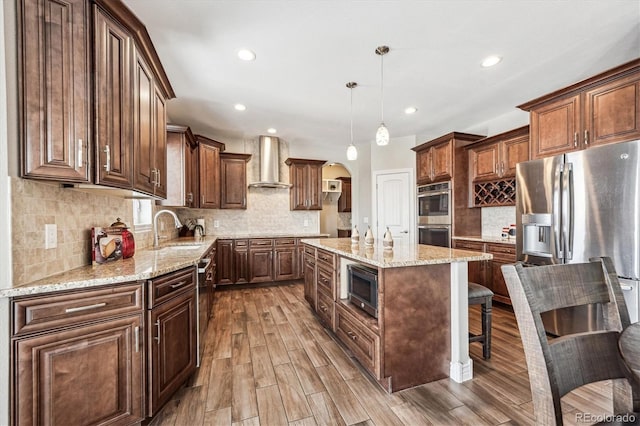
269 164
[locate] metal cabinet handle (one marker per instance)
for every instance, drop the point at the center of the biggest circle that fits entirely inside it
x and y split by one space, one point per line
107 166
586 137
80 151
202 198
323 308
190 197
625 287
180 284
154 181
136 336
158 330
575 139
352 335
158 176
84 308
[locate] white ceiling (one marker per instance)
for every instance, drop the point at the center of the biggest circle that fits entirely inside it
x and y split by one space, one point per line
308 50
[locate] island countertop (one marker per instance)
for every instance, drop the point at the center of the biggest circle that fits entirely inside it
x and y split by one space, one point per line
402 254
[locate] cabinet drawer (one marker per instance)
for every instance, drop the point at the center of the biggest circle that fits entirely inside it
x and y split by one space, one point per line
167 286
327 258
469 245
261 242
311 251
241 243
285 242
38 313
506 252
364 344
325 309
325 280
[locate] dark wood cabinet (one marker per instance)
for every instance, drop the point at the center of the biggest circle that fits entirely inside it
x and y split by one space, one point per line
54 82
113 102
241 273
306 178
145 173
78 357
476 270
285 259
181 161
209 172
310 275
600 110
260 260
160 143
233 180
344 233
172 335
495 157
344 202
224 262
435 162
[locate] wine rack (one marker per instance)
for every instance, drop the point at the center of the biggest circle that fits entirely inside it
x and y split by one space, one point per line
494 193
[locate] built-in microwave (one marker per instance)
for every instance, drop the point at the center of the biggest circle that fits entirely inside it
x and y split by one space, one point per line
363 288
434 204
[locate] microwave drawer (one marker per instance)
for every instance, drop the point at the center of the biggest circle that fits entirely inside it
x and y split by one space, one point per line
325 309
324 279
47 312
364 344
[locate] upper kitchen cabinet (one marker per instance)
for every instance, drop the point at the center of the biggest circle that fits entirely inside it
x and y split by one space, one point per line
84 63
306 178
495 157
344 202
434 162
600 110
182 168
209 165
233 180
54 78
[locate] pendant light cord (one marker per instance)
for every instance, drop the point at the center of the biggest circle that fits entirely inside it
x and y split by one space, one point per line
382 87
351 112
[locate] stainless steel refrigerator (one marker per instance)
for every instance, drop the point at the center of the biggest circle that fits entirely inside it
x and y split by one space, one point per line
579 205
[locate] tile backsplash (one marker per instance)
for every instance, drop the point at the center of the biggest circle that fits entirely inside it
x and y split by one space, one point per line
495 218
36 203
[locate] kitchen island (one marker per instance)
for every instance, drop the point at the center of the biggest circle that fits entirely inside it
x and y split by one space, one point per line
421 331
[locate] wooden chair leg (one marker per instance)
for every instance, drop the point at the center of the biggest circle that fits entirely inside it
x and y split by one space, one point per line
486 328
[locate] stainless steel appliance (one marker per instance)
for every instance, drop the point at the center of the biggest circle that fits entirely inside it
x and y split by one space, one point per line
206 271
363 288
434 214
579 205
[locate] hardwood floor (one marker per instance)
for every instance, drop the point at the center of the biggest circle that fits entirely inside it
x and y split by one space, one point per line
268 361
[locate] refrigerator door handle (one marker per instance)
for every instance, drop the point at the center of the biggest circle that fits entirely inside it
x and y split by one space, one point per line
567 210
557 234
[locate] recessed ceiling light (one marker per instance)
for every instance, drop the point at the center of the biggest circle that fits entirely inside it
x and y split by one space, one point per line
239 107
490 61
410 110
272 131
246 55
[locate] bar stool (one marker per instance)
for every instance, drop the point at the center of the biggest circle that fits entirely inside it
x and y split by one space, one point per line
481 295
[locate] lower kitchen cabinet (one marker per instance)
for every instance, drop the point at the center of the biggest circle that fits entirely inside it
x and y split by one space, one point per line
310 276
241 262
261 261
285 260
224 262
172 330
78 357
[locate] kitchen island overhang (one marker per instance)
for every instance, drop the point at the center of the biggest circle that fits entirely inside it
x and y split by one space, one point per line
421 332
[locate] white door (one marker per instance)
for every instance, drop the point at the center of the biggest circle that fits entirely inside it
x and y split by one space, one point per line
393 204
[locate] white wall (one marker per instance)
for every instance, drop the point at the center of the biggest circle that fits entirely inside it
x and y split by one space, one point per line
7 132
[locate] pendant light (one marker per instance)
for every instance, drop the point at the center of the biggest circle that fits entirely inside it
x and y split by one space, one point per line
352 151
382 135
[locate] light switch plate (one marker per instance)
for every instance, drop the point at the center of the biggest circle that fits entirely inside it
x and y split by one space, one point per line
306 222
216 223
50 235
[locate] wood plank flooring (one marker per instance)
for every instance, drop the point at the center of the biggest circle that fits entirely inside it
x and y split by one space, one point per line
268 361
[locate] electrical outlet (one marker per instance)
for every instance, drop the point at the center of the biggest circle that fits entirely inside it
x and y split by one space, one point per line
50 236
216 223
365 219
306 222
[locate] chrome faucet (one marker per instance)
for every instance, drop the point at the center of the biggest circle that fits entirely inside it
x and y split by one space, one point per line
155 225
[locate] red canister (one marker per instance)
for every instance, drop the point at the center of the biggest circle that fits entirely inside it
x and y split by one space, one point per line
128 243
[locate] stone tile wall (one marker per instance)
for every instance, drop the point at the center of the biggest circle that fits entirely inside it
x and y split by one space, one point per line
495 218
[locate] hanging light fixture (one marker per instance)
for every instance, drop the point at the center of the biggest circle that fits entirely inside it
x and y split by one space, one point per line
382 135
352 151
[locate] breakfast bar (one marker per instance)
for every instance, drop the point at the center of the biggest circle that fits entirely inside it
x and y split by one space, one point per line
414 330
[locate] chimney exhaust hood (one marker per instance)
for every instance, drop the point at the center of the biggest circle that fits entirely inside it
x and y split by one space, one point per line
269 164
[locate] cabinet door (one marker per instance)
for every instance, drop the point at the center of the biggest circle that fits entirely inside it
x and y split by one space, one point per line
224 262
514 151
193 193
344 202
113 109
484 162
498 284
555 127
55 89
160 143
209 176
260 265
612 112
240 262
172 348
285 263
423 166
233 183
144 170
442 161
314 187
310 280
86 375
298 192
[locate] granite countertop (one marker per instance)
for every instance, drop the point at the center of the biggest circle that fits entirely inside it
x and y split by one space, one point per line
146 263
407 254
487 239
237 235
